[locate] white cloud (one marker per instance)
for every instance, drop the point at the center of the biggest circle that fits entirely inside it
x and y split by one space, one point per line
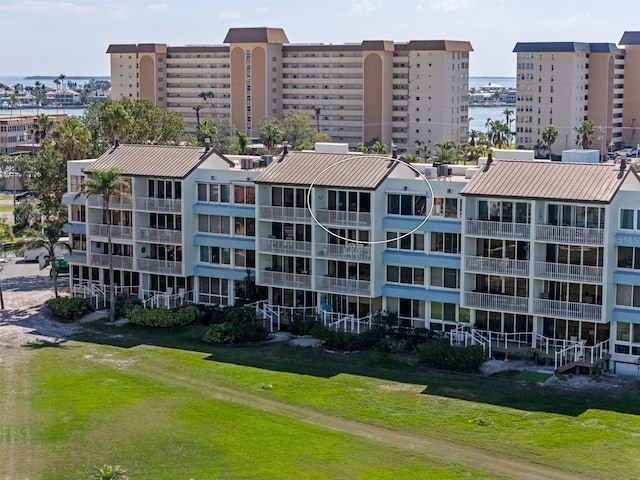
449 6
158 7
46 8
233 14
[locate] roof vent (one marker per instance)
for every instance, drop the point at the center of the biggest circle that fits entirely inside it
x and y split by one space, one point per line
285 147
116 141
623 164
207 144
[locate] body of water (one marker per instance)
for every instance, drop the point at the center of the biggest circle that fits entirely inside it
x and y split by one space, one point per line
478 116
12 80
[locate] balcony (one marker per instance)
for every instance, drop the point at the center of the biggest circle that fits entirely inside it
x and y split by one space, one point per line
500 266
561 271
284 247
343 285
114 202
572 310
285 213
159 266
556 234
160 205
357 252
339 217
117 231
119 262
484 228
158 235
282 279
490 301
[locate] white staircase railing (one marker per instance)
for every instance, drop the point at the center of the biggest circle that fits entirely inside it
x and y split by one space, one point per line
579 352
465 336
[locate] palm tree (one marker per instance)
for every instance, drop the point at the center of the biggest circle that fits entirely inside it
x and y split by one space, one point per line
43 125
379 148
444 155
107 472
61 77
585 134
116 119
243 141
197 108
57 82
206 95
72 140
549 136
507 112
207 130
270 135
106 184
498 132
473 135
49 239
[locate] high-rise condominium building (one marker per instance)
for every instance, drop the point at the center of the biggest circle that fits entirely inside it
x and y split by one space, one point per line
408 94
565 83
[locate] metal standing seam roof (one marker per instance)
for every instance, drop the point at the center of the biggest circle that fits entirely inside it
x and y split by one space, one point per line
152 160
303 168
580 182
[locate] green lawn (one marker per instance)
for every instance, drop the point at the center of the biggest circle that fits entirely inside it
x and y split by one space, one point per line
171 407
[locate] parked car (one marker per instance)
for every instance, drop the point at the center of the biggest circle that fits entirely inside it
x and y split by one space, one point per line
25 194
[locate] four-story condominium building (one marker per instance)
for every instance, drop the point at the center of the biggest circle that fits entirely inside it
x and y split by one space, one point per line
518 256
408 94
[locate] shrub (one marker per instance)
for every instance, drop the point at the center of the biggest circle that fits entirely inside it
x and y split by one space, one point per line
161 318
240 325
438 353
303 325
123 305
393 345
68 308
210 314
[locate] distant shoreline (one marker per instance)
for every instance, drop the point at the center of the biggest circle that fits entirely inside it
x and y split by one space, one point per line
70 77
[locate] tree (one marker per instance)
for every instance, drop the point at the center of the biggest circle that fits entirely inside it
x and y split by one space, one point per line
106 184
498 132
115 119
49 179
197 108
243 141
42 126
49 238
298 131
72 140
473 136
107 472
444 155
507 112
206 95
205 130
270 133
549 136
585 134
379 148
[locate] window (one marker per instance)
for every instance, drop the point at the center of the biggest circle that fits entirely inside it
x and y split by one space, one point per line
445 242
628 296
409 205
213 290
445 207
245 258
629 257
214 192
443 311
405 275
413 242
215 255
214 224
626 218
444 277
164 189
245 227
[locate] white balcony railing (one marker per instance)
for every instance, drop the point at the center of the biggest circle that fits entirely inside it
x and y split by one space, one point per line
159 204
343 285
102 260
491 301
352 251
573 310
552 233
485 228
159 235
285 247
117 231
339 217
114 202
562 271
159 266
501 266
282 279
284 213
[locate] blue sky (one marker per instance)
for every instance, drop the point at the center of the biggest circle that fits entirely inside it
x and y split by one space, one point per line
49 37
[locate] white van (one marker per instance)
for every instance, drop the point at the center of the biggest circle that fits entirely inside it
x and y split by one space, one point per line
32 254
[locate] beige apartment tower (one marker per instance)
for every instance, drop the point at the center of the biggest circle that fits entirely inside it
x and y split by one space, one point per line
565 83
401 93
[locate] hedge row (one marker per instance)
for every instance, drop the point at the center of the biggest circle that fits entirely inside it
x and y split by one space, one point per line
161 318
